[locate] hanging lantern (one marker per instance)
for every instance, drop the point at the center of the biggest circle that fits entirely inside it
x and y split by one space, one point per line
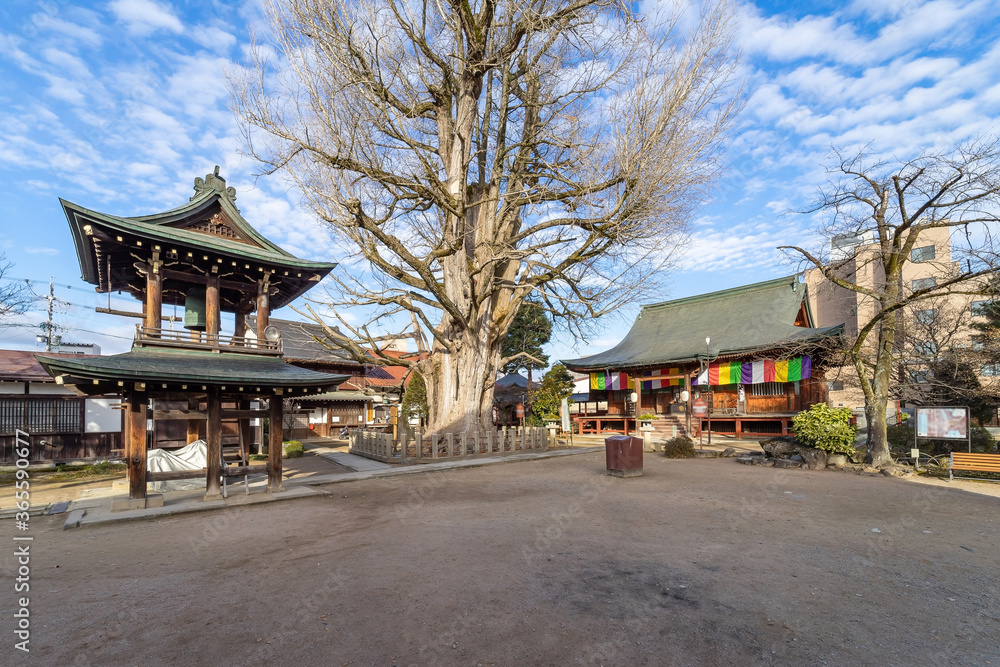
194 309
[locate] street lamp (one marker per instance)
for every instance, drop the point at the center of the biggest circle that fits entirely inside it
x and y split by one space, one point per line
708 383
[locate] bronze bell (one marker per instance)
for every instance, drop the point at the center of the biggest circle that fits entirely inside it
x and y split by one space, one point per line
195 317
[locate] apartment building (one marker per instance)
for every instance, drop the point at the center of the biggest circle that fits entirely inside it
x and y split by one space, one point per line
929 327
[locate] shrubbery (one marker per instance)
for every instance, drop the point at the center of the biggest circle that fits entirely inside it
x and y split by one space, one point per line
293 449
901 440
681 447
826 428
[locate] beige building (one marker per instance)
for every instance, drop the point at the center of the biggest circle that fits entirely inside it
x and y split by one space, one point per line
929 328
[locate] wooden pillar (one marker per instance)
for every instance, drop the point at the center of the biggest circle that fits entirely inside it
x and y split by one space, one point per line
240 330
192 424
212 309
244 422
213 438
687 408
263 307
274 446
135 443
154 300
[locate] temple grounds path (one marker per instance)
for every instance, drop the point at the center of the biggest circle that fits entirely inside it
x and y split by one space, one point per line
546 562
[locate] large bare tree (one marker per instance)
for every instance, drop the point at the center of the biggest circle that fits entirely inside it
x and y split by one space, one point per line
877 214
475 152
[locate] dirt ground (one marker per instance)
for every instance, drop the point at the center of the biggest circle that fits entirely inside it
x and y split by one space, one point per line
549 562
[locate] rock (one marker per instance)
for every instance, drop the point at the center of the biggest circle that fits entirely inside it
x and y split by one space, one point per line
815 459
728 451
869 470
896 471
780 447
787 463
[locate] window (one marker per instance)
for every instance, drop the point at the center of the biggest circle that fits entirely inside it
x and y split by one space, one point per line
41 415
919 376
925 316
978 343
990 370
926 347
979 307
924 254
836 385
767 389
924 283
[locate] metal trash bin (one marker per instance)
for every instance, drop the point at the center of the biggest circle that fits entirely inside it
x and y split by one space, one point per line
624 455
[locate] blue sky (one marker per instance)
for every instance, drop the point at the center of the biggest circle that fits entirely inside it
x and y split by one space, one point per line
119 105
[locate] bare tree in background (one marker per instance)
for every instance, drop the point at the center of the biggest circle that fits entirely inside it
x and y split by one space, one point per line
473 153
876 213
15 297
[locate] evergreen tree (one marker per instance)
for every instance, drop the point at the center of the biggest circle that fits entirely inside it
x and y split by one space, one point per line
414 400
556 385
529 331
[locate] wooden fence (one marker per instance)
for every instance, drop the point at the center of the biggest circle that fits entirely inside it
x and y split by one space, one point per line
449 446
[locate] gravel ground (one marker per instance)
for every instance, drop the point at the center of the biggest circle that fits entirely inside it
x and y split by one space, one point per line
538 563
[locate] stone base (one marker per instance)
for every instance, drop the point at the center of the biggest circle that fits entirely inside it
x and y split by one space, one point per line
127 504
625 473
213 496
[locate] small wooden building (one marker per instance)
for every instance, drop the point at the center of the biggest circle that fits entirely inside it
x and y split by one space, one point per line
750 353
205 257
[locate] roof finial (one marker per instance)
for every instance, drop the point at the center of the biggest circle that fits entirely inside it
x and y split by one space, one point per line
213 183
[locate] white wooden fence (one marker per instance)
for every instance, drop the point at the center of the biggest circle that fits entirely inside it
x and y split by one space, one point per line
449 446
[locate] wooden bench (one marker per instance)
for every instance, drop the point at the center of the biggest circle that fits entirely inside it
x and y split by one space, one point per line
973 462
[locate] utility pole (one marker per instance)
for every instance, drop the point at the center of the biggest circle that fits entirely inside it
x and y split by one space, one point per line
49 326
48 321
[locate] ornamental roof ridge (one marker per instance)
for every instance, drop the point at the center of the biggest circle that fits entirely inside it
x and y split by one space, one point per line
213 183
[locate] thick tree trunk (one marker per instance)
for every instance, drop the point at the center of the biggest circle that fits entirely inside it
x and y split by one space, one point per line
460 386
878 441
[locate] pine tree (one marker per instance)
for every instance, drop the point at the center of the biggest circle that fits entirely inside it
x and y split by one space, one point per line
529 331
415 400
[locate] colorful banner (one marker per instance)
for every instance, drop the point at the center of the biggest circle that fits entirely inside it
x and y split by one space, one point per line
649 385
756 372
614 381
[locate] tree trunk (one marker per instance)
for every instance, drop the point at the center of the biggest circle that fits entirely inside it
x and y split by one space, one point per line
878 441
460 386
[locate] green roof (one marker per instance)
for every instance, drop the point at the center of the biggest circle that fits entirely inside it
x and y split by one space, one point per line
167 229
176 367
744 319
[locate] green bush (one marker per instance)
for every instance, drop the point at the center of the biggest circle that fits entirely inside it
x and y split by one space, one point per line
826 428
258 457
900 439
681 447
293 449
982 441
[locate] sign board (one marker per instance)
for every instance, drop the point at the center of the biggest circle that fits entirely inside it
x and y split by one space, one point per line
564 415
944 423
520 410
700 408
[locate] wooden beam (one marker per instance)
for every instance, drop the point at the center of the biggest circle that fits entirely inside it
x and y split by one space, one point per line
263 308
244 423
154 300
228 471
274 446
212 308
135 443
213 439
192 422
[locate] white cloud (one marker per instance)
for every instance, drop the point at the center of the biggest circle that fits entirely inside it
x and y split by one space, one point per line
42 251
143 17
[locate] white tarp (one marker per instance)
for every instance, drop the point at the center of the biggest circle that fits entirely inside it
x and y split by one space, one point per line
192 457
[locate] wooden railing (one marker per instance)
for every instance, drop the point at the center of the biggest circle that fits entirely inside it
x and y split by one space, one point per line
199 340
449 446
